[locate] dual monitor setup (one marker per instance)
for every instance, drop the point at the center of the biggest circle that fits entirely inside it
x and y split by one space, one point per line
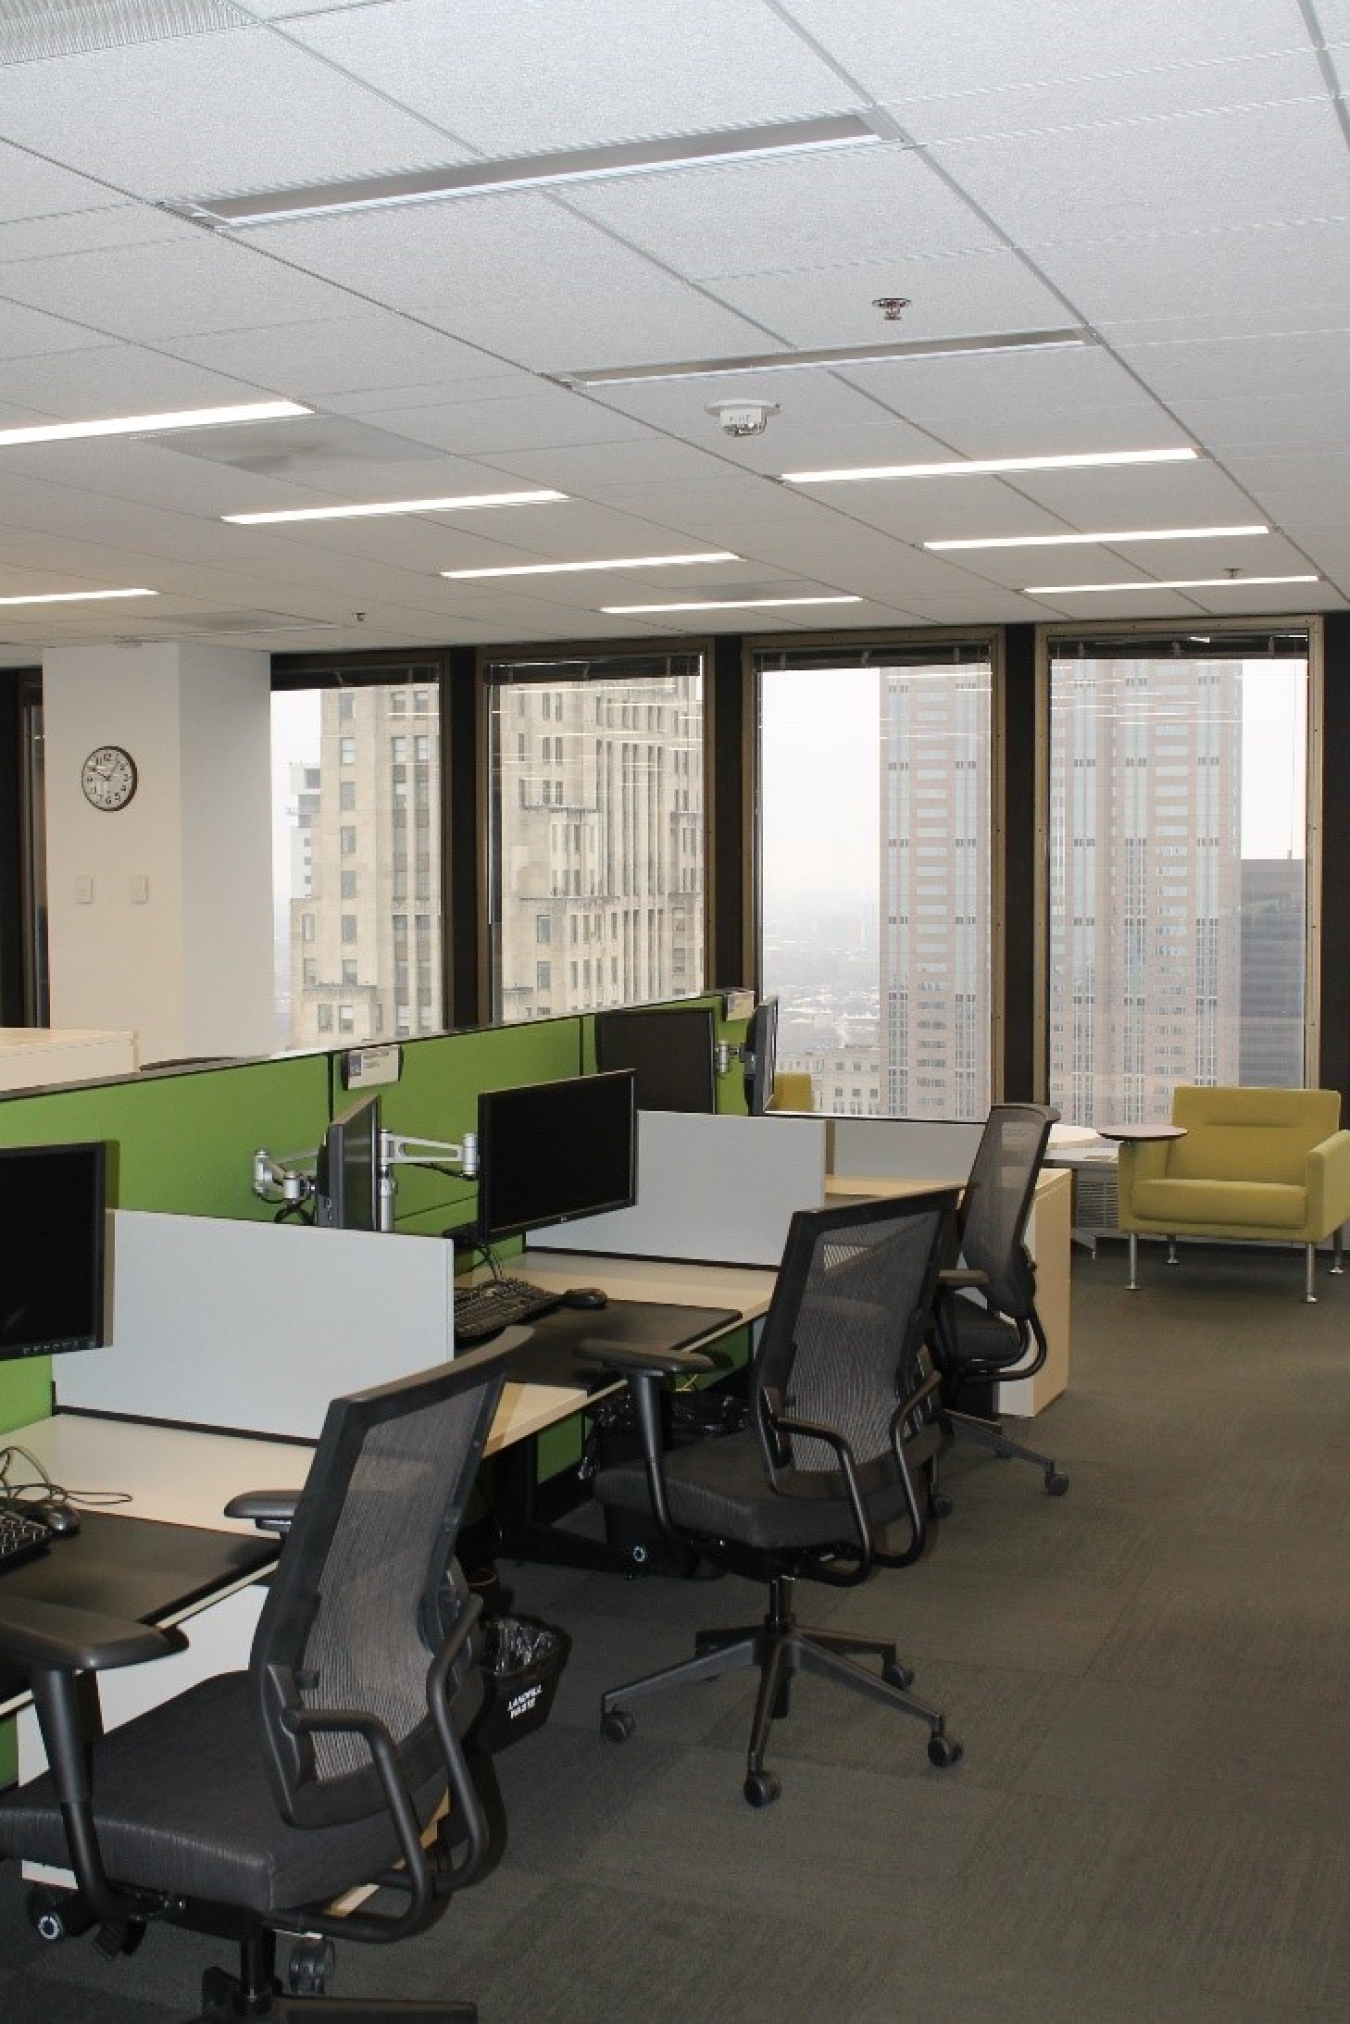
549 1153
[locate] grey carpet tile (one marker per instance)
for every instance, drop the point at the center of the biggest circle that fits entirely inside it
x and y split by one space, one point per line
696 1838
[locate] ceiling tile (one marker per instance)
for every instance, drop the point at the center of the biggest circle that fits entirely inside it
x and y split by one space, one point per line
543 74
204 116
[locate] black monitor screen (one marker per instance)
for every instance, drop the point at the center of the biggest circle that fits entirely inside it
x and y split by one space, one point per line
554 1150
672 1053
347 1181
53 1233
761 1047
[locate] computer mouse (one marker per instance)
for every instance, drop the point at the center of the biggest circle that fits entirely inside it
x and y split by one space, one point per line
59 1518
585 1296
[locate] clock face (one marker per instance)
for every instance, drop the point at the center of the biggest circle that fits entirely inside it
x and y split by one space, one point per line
108 777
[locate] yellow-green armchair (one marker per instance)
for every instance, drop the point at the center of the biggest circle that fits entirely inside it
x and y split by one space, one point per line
1255 1164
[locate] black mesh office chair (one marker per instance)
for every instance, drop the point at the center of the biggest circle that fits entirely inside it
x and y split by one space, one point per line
985 1319
246 1804
844 1427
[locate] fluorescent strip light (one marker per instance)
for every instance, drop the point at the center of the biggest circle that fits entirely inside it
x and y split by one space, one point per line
612 562
144 425
835 357
535 172
466 502
724 604
1174 583
962 467
77 596
1081 540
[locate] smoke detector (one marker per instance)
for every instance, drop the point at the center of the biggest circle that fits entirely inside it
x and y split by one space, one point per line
743 418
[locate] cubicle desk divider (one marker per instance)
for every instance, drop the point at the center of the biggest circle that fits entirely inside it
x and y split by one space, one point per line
255 1327
720 1189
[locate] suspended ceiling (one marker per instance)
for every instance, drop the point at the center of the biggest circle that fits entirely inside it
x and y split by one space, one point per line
1172 179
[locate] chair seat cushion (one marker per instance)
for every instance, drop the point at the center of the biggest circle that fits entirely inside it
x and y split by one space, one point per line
719 1490
971 1334
182 1804
1224 1205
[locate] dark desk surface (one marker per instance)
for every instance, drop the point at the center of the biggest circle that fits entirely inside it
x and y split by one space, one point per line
135 1567
550 1356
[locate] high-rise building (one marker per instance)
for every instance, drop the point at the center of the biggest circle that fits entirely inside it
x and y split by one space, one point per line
1274 926
1145 846
599 873
935 887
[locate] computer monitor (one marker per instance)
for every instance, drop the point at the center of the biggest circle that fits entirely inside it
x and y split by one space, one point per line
53 1248
672 1052
761 1053
552 1151
347 1173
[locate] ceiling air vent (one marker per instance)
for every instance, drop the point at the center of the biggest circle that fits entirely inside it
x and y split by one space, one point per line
32 29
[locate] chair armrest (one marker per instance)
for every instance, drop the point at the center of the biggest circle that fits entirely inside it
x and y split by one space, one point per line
953 1277
1329 1185
269 1510
1142 1161
625 1358
57 1637
817 1430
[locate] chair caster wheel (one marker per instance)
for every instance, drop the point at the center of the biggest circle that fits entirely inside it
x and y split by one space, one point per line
944 1750
898 1676
312 1965
617 1725
940 1504
761 1788
1055 1484
56 1914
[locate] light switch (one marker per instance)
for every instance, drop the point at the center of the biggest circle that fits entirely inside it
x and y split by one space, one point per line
84 889
140 888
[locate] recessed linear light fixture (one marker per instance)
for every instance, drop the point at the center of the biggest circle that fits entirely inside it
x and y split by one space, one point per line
610 562
723 604
466 502
1083 540
76 596
1175 583
535 172
963 467
146 425
836 357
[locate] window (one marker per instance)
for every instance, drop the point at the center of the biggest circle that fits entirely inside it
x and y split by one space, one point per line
864 750
1178 867
324 1018
628 834
324 861
349 971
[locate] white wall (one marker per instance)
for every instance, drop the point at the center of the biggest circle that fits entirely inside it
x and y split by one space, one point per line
189 968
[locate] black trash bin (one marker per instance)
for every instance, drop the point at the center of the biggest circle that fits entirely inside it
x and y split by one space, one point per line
523 1660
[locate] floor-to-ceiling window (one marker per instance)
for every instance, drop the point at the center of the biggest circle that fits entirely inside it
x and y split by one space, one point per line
597 839
357 860
876 871
1179 867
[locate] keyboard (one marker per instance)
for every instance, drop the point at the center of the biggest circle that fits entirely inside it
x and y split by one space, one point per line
20 1537
494 1304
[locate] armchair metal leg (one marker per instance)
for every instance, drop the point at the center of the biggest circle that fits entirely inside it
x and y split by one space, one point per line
1172 1251
1310 1268
1337 1263
1133 1284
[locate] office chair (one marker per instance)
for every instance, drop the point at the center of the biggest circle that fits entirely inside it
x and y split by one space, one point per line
245 1805
844 1427
977 1340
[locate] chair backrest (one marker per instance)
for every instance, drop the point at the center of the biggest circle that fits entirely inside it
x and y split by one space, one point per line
1249 1134
359 1603
844 1332
996 1203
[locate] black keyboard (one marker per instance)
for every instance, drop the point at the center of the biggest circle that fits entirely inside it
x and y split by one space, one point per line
494 1304
20 1537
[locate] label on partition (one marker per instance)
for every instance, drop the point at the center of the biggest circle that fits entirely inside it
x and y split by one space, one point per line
367 1067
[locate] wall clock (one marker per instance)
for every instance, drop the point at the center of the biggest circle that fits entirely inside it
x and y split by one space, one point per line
108 777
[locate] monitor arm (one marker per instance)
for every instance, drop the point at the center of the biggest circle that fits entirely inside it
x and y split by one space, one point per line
399 1150
289 1180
